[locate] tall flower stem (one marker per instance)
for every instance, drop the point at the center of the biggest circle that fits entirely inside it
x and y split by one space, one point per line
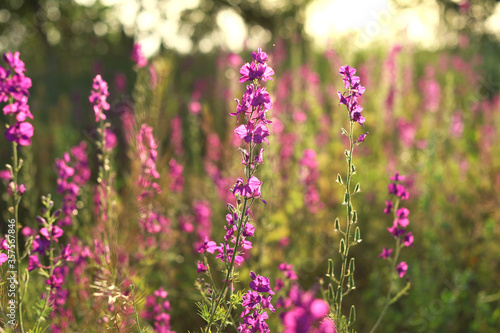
391 286
17 200
254 105
230 268
350 99
347 234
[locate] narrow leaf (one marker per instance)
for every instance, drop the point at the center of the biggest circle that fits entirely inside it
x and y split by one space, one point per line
352 315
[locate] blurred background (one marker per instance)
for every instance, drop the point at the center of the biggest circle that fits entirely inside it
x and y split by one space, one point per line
432 104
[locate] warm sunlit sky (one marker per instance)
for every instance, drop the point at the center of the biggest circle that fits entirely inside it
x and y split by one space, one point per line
365 21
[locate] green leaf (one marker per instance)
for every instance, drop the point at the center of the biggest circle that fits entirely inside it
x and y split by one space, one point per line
331 293
351 266
352 315
357 235
346 199
342 246
330 268
351 282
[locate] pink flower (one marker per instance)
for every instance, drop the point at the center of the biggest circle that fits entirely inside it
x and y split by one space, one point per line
98 98
21 133
386 253
3 258
202 268
138 56
402 268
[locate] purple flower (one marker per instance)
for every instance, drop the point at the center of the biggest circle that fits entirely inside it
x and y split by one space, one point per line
397 177
3 258
33 262
55 281
202 268
402 217
408 239
287 270
54 235
254 304
250 72
388 207
161 293
14 62
350 98
208 246
395 231
259 56
260 284
40 244
253 133
20 132
250 190
362 137
19 108
98 98
402 268
386 253
176 175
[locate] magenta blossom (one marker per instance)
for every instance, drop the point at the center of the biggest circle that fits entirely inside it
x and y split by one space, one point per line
3 258
386 253
21 133
402 268
137 56
98 98
388 207
202 268
402 217
408 239
250 190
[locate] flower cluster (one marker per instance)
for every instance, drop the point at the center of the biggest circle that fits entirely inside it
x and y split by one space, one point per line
157 306
350 97
175 174
289 273
254 105
305 313
150 220
14 87
401 221
147 149
309 175
255 302
224 250
43 244
98 96
73 172
137 56
202 215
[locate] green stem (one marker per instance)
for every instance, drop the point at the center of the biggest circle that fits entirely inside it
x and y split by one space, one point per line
2 312
17 200
230 270
348 219
391 283
135 309
49 288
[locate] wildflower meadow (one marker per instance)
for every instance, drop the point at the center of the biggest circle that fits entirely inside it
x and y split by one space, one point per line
277 189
